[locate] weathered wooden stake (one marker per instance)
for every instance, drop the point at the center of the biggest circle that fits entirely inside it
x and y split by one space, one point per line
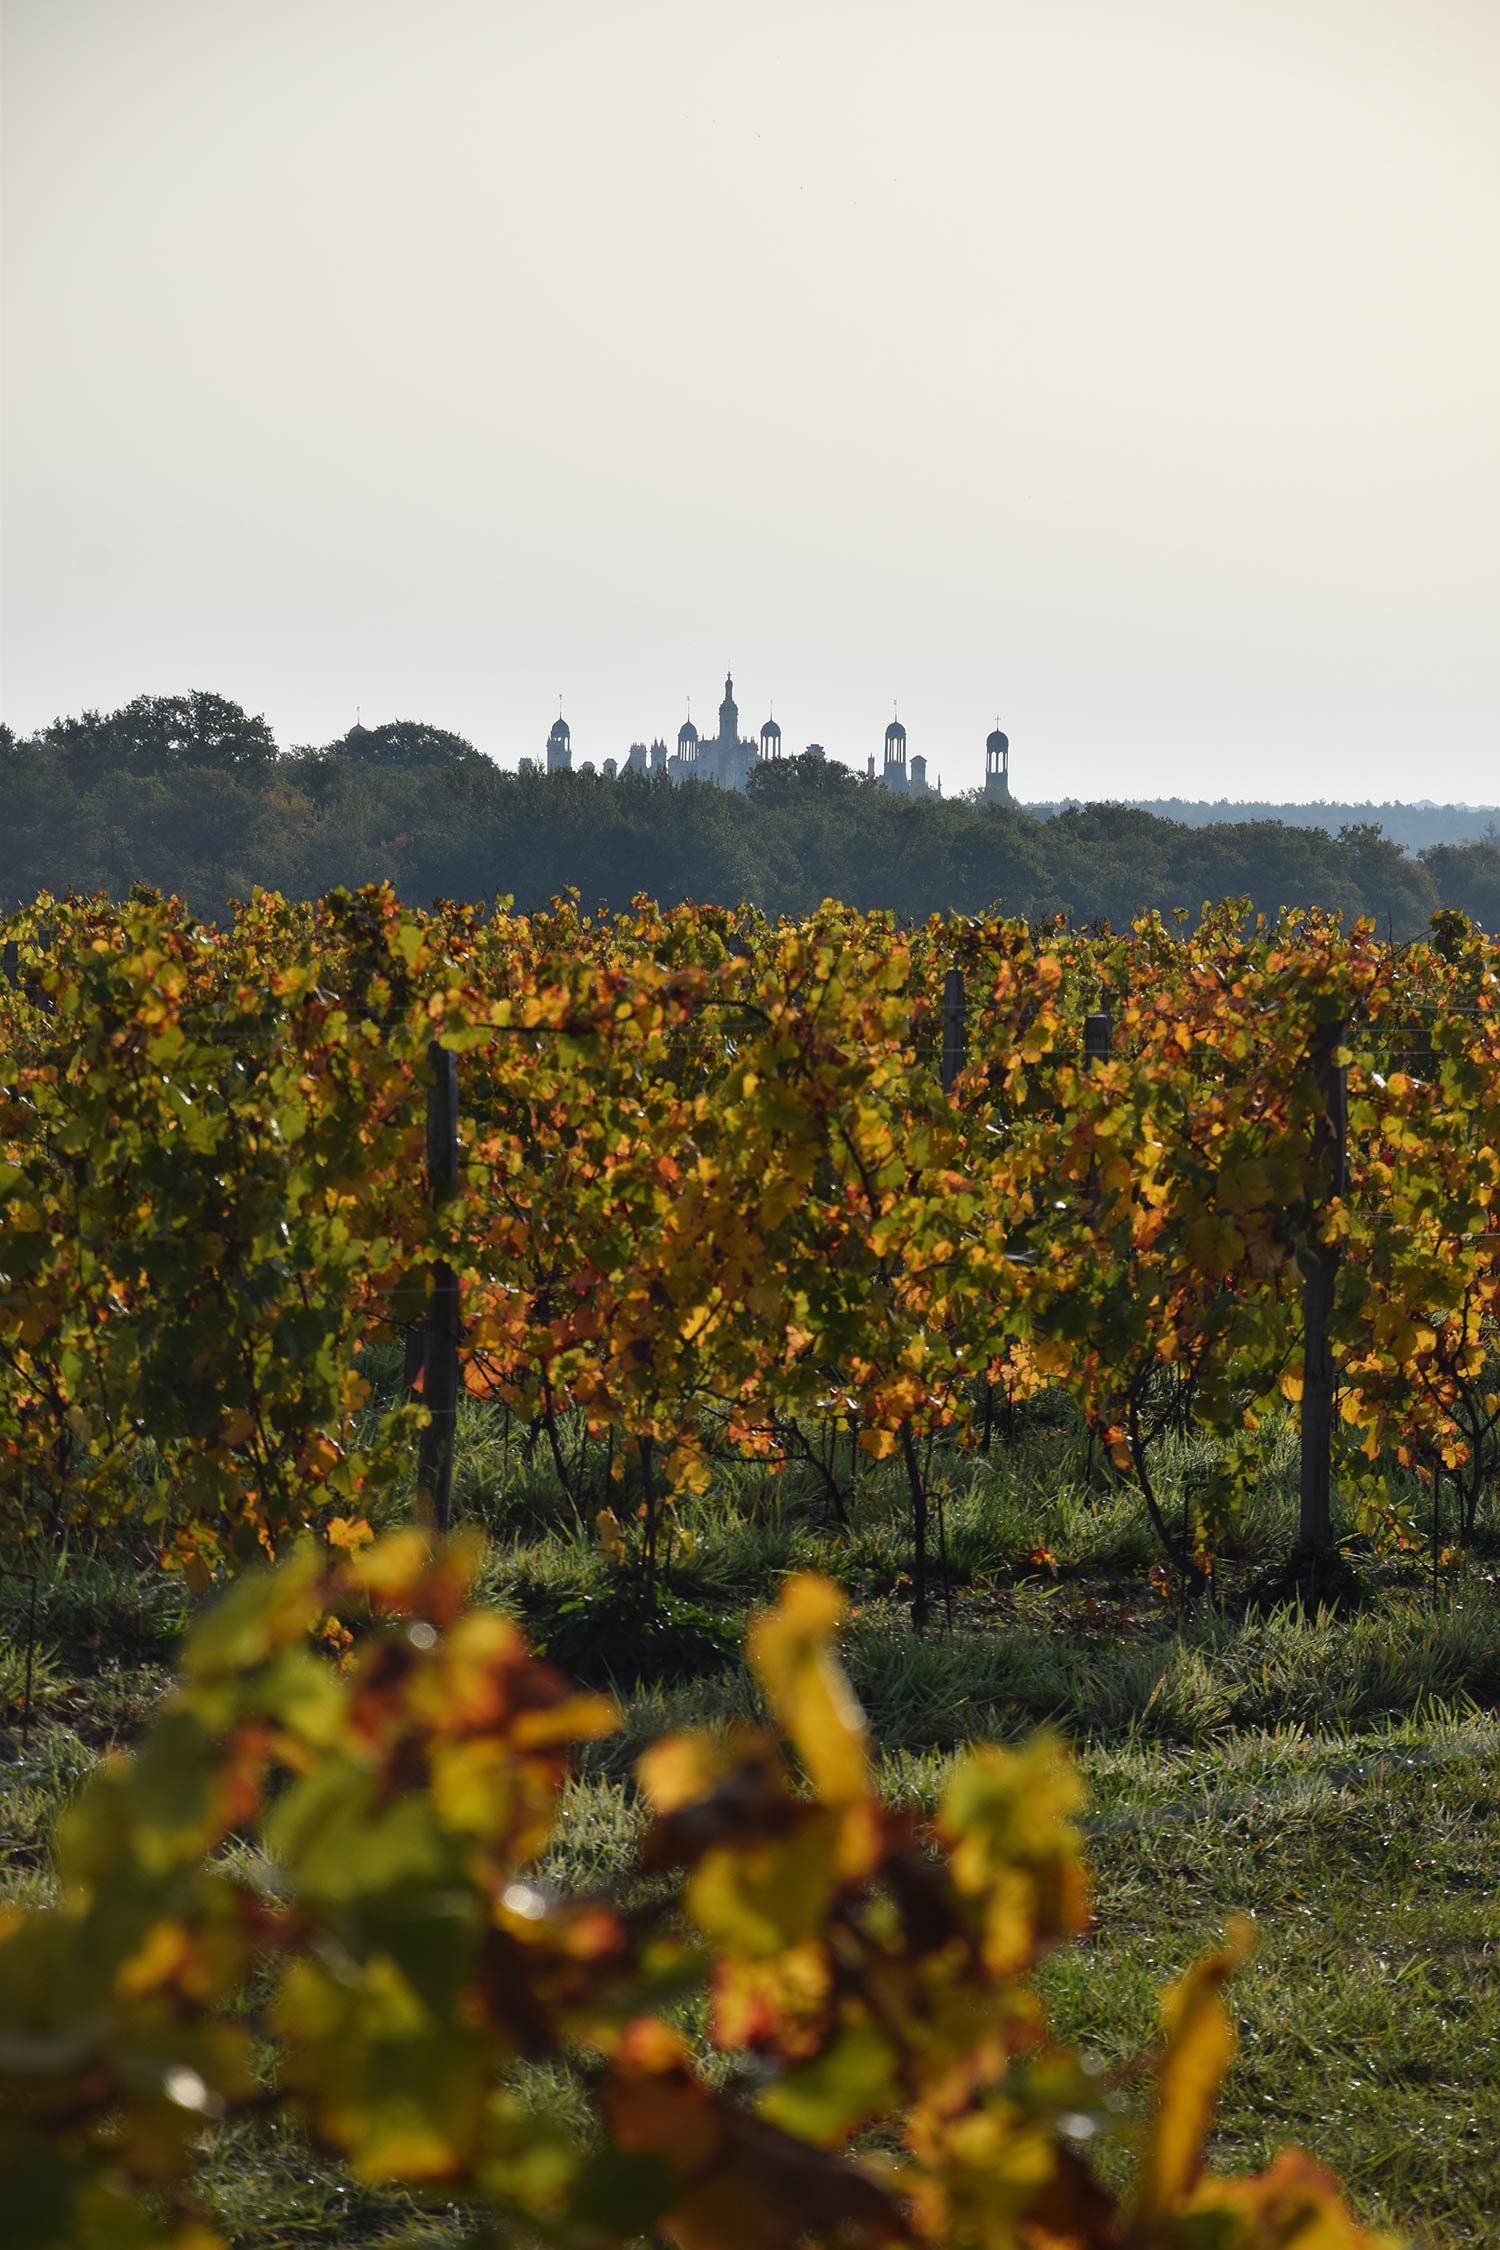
918 1490
440 1363
955 1028
1319 1261
1098 1038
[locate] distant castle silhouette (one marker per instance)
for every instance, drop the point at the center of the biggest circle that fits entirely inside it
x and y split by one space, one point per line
728 758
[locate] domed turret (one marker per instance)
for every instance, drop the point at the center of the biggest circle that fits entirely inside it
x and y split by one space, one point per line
684 759
770 740
560 746
894 773
997 765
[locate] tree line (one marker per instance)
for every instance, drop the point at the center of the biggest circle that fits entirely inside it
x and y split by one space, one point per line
1414 826
191 794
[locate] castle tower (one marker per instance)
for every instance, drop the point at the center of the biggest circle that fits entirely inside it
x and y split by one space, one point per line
686 760
729 713
895 775
770 740
997 767
560 747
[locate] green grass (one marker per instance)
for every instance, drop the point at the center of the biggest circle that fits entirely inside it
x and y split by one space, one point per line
1370 2014
1336 1777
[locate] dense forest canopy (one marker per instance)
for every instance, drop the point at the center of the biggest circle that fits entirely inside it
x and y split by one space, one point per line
191 794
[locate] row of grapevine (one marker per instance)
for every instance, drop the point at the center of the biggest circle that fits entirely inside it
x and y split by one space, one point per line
719 1182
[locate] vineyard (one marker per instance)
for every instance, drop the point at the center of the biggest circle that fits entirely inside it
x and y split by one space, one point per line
715 1189
658 1208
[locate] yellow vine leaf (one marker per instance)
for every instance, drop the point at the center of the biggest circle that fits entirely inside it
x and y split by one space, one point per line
1294 2205
679 1769
351 1533
766 1898
1199 2047
791 1654
611 1536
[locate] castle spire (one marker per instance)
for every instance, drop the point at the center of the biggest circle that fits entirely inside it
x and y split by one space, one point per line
729 712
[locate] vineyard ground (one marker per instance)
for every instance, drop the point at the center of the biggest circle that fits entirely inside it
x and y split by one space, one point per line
1337 1777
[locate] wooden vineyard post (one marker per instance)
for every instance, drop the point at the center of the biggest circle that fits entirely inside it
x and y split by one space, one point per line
1098 1039
951 1063
1098 1036
1320 1264
955 1028
440 1362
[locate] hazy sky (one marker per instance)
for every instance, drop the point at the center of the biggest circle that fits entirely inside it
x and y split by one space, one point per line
1129 372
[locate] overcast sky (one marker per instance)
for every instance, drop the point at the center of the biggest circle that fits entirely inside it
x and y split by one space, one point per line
1128 373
